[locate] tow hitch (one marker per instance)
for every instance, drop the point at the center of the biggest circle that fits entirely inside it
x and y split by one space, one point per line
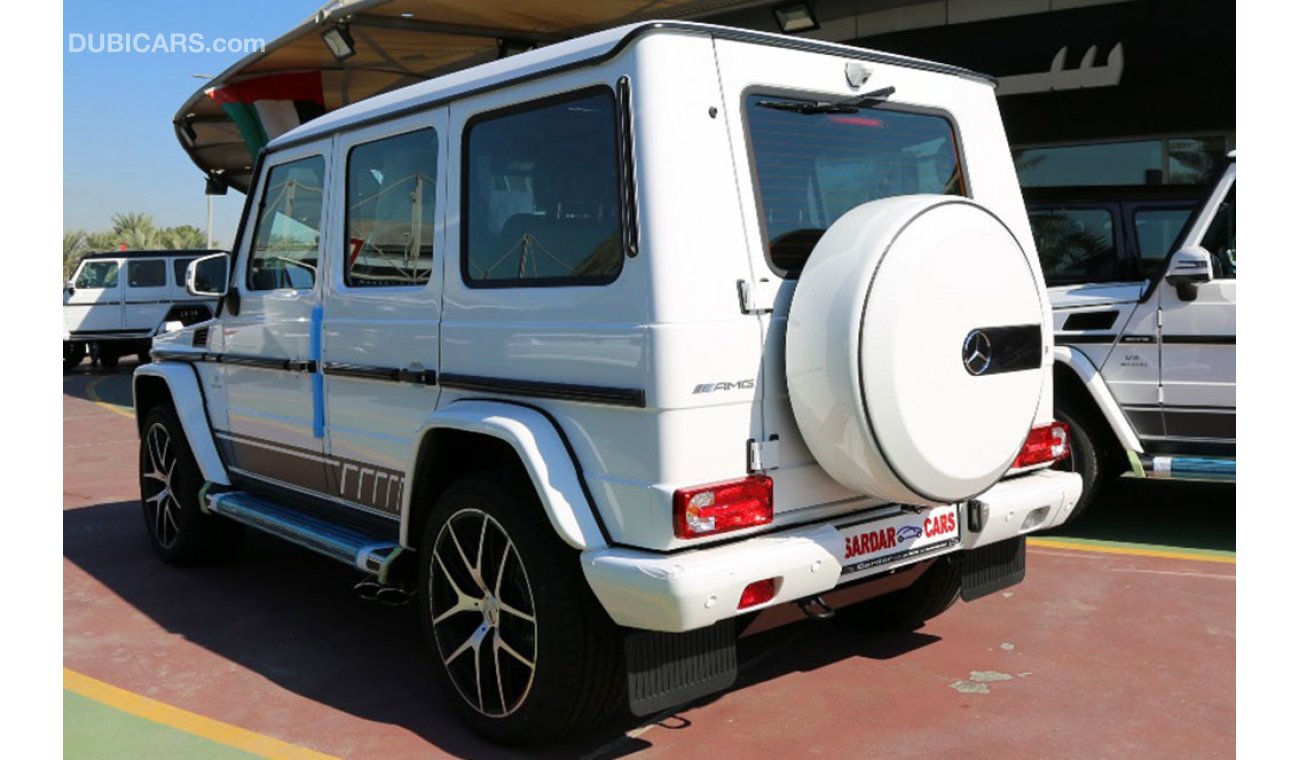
816 608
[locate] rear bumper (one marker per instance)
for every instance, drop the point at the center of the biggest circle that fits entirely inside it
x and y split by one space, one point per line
692 589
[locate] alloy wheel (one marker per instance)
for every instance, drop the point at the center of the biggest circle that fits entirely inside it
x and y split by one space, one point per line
160 501
483 615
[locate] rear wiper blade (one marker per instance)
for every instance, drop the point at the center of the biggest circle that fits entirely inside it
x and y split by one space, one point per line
821 106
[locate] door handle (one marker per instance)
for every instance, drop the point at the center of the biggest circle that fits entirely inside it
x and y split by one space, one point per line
418 375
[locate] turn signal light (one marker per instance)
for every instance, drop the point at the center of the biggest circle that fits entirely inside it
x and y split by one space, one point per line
1049 443
757 593
721 507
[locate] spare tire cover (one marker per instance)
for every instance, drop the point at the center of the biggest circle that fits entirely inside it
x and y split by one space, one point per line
915 350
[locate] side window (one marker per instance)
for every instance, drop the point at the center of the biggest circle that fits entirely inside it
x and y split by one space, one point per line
541 194
390 210
146 274
1075 245
178 268
1221 238
287 238
813 166
97 275
1157 232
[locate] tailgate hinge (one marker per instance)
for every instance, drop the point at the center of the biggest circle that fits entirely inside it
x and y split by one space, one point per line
757 297
764 455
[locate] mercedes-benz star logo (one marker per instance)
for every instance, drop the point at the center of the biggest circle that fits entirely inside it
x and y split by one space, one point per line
976 352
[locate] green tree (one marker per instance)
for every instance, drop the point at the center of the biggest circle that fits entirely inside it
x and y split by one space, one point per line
74 247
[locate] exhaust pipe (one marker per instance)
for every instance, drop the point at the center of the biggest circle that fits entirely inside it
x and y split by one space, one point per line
372 591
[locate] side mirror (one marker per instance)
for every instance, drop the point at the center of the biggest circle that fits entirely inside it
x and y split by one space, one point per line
209 276
70 288
1189 267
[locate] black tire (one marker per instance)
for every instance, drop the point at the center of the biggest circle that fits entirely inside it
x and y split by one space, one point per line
73 353
910 608
1087 456
179 532
577 677
108 356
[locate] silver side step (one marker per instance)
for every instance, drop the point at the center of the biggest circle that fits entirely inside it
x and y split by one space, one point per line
1187 468
365 551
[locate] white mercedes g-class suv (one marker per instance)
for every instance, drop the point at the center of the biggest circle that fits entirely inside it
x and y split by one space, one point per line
608 352
1146 357
117 301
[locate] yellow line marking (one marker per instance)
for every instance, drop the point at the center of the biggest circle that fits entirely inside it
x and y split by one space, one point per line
1061 543
95 399
175 717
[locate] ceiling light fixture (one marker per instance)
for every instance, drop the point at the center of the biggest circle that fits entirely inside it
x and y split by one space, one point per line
339 41
797 17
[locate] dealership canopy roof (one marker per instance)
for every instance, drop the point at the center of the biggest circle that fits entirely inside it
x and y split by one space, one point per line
297 77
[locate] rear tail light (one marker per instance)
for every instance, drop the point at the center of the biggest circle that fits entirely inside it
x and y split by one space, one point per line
1049 443
757 593
722 507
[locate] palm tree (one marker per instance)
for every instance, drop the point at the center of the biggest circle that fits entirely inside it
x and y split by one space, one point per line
74 247
124 224
183 237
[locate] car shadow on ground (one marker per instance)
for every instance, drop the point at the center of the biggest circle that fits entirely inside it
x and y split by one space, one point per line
290 616
1180 514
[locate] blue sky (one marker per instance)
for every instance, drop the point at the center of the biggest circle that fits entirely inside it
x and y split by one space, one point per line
119 150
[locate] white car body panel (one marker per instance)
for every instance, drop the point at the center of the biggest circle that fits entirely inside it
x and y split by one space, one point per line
187 399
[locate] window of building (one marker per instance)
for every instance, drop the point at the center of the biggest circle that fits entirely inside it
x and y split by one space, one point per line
286 243
541 194
813 166
1158 161
390 210
1075 245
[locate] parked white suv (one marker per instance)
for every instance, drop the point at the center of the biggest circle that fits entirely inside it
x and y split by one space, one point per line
116 302
611 351
1146 366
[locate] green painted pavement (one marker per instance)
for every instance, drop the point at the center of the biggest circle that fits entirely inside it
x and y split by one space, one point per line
94 730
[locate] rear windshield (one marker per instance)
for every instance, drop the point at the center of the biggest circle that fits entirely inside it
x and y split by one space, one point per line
812 167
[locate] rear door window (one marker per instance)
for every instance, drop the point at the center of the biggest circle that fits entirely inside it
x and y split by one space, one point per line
1075 245
390 210
146 274
812 167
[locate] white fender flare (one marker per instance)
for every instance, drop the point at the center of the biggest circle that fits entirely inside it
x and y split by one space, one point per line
542 450
1086 371
187 399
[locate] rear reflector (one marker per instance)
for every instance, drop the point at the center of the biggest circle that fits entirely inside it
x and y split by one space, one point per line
1049 443
757 593
721 507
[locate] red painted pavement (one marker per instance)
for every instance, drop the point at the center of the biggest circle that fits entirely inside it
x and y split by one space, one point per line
1093 656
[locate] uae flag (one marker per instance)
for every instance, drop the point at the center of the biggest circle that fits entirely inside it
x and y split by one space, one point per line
268 106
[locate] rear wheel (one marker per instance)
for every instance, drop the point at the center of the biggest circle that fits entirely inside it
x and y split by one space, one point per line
73 353
908 609
524 652
179 532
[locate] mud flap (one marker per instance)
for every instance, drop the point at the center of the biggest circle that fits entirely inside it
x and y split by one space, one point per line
667 669
992 568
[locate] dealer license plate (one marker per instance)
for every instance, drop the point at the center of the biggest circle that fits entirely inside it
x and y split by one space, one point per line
889 540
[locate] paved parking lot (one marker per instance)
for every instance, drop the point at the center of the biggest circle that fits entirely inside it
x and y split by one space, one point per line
1120 643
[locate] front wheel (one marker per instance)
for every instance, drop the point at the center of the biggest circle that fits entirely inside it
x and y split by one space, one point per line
179 532
524 652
